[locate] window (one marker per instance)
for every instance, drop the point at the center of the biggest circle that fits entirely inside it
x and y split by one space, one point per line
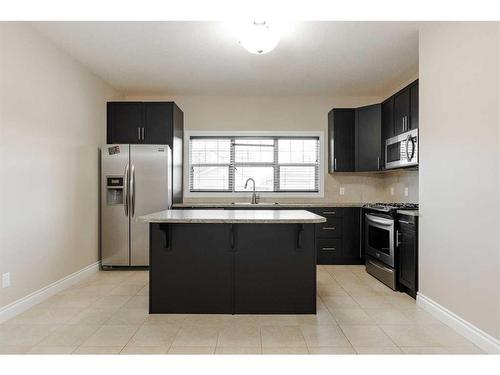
276 163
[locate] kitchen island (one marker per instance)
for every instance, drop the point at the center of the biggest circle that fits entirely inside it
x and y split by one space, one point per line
232 261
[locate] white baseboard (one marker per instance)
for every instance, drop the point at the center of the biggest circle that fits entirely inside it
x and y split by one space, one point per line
483 340
25 303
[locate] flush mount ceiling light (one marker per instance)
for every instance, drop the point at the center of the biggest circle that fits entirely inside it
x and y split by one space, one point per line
258 37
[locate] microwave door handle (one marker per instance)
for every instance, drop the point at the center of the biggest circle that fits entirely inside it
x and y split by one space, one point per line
408 140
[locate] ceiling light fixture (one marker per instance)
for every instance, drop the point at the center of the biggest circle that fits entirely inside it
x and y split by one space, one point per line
258 37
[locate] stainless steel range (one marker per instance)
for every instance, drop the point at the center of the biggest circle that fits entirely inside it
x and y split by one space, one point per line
381 238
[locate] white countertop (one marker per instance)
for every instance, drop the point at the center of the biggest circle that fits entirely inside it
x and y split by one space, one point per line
264 204
233 216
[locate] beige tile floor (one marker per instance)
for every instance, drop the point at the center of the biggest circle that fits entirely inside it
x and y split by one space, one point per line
108 314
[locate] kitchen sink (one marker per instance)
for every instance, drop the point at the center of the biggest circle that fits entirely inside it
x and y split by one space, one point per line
254 204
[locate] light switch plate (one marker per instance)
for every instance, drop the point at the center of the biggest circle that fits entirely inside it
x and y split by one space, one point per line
342 190
392 190
6 280
406 191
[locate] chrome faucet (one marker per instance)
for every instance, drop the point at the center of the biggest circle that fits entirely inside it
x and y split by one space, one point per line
254 196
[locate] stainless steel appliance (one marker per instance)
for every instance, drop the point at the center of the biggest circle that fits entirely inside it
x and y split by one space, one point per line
135 180
402 150
380 239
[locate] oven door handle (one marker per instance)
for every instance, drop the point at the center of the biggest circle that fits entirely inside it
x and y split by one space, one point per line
380 221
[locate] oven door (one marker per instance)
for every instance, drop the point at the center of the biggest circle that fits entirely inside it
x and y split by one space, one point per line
379 238
402 150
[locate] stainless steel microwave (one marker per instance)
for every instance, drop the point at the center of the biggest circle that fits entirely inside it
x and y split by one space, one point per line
402 150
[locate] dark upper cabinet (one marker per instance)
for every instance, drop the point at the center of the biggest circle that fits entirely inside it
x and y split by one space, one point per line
388 118
387 125
401 111
150 123
124 122
158 123
408 253
142 122
341 140
414 106
368 133
406 109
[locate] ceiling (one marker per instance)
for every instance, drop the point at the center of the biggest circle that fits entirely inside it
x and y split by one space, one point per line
205 58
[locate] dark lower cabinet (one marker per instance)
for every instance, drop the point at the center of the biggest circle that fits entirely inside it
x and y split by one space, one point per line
232 268
191 274
408 253
275 276
337 240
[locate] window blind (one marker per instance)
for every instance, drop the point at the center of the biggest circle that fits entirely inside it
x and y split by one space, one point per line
277 164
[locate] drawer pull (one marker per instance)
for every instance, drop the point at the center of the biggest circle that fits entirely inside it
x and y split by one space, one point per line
329 212
329 228
328 248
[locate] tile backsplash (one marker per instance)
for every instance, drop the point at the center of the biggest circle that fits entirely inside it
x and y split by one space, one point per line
357 188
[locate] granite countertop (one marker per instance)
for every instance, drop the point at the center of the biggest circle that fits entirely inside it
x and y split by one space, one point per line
233 216
265 204
408 212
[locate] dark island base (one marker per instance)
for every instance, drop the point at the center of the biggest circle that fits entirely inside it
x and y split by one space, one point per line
232 269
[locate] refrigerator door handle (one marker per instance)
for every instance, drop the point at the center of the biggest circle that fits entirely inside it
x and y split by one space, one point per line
125 186
132 191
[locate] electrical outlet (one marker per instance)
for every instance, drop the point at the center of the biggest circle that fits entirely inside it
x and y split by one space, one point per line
342 190
406 191
6 280
392 190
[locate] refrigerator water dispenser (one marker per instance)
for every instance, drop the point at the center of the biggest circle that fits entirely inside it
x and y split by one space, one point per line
114 190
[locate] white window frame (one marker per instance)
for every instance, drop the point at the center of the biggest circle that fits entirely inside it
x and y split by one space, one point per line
200 194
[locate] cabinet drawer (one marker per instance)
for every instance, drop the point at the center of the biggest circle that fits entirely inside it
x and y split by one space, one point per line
329 249
332 228
329 212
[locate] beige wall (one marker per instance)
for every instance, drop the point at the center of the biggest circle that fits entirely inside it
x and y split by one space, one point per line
292 113
52 119
460 170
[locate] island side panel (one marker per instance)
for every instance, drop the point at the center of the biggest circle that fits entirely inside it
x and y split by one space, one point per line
191 268
274 273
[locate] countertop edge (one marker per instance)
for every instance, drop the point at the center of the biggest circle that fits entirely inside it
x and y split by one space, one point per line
212 216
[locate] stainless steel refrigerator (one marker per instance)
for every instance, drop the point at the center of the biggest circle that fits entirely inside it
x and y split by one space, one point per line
135 180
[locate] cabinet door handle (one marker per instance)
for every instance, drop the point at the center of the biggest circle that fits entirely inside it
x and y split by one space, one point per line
328 248
329 228
139 133
397 238
329 212
378 162
142 133
335 164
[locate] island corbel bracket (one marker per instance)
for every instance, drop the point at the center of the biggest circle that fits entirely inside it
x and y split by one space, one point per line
232 237
165 228
300 229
